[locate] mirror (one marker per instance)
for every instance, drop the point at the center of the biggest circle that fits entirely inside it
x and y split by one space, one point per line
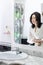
21 26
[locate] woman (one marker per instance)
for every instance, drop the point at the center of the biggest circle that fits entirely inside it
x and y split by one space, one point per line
36 30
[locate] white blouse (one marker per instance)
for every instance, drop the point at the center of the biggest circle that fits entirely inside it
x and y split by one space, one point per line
32 34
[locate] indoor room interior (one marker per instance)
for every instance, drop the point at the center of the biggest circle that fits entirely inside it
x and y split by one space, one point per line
14 32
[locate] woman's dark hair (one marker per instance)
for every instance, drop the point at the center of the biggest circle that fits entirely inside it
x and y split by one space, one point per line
38 19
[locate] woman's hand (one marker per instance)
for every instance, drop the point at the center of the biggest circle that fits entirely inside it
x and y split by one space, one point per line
37 41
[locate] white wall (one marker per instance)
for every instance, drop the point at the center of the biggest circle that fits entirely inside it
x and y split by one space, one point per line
6 18
30 7
42 12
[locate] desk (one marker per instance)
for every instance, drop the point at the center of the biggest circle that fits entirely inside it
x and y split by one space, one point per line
31 60
31 50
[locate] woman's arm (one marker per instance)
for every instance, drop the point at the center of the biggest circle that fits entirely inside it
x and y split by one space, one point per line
38 41
30 38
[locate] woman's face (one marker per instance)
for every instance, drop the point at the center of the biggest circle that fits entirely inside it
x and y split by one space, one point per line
34 19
